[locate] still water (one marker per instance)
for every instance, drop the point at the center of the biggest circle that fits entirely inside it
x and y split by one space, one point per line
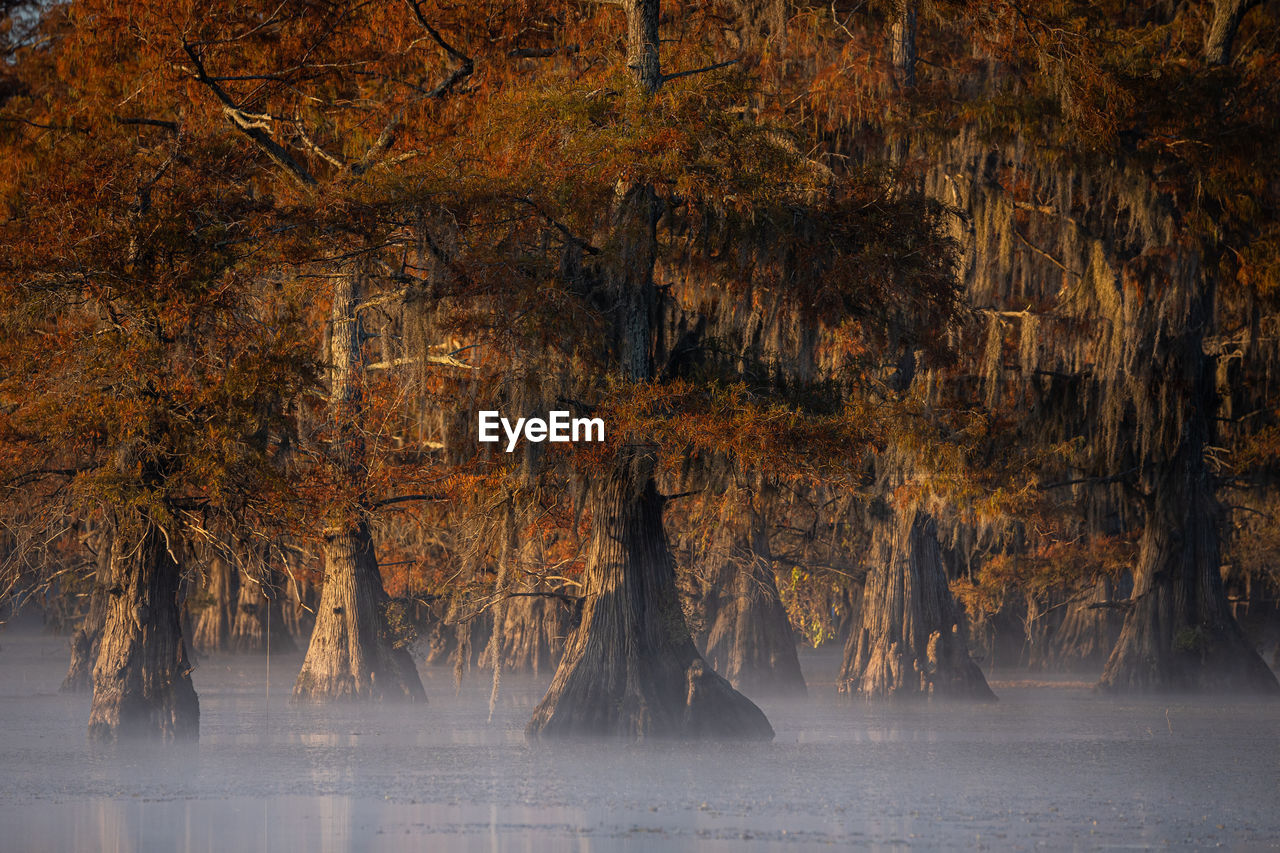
1051 766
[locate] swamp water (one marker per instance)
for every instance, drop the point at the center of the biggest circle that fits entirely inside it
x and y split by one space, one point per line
1048 767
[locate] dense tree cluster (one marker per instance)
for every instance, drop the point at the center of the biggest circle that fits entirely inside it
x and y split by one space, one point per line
943 331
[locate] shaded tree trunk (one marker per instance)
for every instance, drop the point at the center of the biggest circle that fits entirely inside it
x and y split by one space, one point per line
142 679
849 621
902 41
259 617
631 670
87 638
301 599
751 642
353 653
531 616
1082 638
458 641
912 641
214 621
1179 633
535 624
1227 15
1256 608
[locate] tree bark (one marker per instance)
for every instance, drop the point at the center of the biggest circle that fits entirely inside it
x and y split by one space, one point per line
631 670
300 604
1179 633
259 617
912 640
88 637
902 42
1227 15
642 43
751 642
214 621
458 641
1082 637
352 654
142 680
535 623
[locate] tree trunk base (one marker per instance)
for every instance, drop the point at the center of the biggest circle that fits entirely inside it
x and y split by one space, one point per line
631 669
911 643
353 655
84 652
1157 654
260 624
87 639
214 619
751 642
533 634
655 699
1179 634
142 680
1085 632
893 670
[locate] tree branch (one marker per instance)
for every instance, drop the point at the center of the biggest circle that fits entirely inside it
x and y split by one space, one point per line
248 126
668 77
465 65
405 499
171 126
1114 478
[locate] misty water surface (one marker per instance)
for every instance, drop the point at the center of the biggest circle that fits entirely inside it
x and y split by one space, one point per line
1047 767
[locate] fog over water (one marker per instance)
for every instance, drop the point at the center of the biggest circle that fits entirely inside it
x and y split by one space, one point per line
1047 767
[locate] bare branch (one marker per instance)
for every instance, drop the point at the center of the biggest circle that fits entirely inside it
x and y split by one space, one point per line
668 77
314 146
464 64
406 498
252 126
378 148
171 126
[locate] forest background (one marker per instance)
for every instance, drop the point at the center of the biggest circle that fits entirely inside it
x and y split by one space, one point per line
942 331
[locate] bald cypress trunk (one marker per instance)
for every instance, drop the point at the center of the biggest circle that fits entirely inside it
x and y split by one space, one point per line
299 606
88 637
1081 635
458 639
531 638
214 621
1227 15
353 653
142 679
911 642
751 642
631 670
1179 633
902 41
259 616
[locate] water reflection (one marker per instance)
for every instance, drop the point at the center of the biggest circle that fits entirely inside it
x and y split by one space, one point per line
1044 767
